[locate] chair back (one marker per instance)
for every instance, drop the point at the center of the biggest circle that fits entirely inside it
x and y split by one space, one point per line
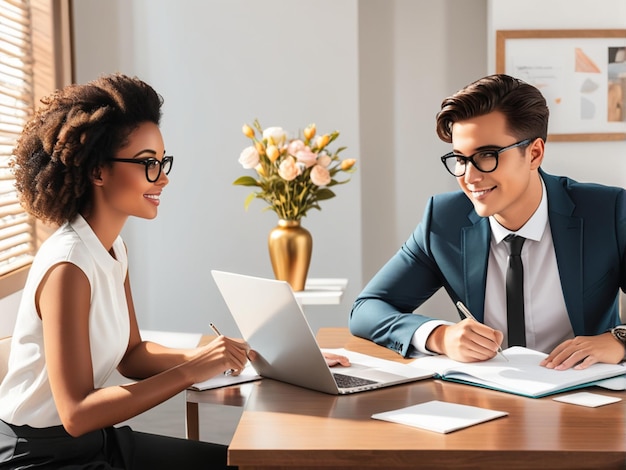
5 348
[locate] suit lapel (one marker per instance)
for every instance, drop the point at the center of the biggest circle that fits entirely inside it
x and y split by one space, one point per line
476 249
567 238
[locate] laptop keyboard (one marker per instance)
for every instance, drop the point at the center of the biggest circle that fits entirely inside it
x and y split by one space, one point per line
347 381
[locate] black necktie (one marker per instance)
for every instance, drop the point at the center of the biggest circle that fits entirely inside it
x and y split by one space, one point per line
515 292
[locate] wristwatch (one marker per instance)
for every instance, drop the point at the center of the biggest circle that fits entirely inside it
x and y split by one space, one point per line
619 333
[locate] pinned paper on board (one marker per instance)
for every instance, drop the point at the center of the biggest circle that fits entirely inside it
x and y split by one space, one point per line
581 73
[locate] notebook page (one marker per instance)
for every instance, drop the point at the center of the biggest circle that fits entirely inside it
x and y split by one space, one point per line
522 374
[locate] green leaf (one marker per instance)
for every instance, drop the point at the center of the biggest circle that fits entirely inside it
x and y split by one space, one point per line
324 193
248 200
246 181
334 182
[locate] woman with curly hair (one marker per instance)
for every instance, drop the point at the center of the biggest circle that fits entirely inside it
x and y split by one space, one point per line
91 157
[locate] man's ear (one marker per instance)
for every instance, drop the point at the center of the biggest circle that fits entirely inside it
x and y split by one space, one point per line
536 153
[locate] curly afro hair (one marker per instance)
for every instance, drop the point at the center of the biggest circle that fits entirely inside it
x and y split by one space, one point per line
77 130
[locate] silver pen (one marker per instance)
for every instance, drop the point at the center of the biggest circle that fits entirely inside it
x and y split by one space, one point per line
217 332
465 311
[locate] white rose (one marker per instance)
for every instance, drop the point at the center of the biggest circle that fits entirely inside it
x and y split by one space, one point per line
249 157
277 134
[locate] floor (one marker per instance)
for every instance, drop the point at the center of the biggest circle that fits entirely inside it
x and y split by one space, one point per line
217 423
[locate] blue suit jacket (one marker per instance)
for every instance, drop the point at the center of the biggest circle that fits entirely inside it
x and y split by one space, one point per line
450 249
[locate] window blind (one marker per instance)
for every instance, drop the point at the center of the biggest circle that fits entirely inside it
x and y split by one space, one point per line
17 228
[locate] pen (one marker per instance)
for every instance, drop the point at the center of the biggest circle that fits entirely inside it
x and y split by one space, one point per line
217 332
468 314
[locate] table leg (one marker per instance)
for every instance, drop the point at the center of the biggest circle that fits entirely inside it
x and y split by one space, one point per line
193 426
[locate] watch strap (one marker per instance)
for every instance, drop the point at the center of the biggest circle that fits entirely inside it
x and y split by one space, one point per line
619 333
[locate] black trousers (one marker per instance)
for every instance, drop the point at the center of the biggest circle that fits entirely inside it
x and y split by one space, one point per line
24 447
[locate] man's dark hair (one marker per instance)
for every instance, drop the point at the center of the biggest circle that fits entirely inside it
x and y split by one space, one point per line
523 106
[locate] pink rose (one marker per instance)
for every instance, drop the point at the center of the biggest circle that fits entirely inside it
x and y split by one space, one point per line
249 157
307 157
324 159
288 170
320 175
295 146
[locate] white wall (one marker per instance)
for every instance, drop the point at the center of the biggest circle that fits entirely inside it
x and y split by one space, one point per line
220 64
376 70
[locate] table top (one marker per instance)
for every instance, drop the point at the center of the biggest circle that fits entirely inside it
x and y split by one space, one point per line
287 426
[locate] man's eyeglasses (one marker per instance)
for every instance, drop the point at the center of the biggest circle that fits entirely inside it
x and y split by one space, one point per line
485 160
152 165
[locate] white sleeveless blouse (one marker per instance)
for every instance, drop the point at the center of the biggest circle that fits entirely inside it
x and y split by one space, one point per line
25 394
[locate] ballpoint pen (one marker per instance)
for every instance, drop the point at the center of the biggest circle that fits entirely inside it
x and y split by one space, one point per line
465 311
217 332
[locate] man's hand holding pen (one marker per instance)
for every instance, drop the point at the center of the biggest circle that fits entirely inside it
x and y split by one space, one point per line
465 311
466 341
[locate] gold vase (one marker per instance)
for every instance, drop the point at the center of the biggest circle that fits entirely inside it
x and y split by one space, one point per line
290 246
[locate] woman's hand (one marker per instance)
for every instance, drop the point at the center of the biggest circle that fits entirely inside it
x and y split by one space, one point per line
336 359
220 355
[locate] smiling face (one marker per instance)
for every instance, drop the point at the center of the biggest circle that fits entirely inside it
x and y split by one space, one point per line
122 188
512 192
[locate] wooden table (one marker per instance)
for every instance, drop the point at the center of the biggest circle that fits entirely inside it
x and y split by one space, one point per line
284 426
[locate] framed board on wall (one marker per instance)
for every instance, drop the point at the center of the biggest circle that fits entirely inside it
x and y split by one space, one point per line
581 73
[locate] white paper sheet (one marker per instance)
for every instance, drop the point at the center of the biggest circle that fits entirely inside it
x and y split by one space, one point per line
248 374
592 400
440 416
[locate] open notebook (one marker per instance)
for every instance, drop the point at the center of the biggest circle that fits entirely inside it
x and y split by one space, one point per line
521 375
272 322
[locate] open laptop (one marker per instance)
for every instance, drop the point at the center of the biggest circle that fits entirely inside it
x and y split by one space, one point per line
272 322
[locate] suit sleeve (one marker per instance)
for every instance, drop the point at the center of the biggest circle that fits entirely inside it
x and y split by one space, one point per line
383 311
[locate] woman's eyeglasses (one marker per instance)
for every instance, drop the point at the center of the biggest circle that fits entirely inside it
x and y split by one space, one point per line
152 165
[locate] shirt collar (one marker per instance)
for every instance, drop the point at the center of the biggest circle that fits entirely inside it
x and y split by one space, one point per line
92 242
533 229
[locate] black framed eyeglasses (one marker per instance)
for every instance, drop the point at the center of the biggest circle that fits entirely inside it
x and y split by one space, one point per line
152 165
485 161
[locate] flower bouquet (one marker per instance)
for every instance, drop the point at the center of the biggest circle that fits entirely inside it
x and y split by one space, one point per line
292 175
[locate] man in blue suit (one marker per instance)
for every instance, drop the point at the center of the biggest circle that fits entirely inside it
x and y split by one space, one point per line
574 252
